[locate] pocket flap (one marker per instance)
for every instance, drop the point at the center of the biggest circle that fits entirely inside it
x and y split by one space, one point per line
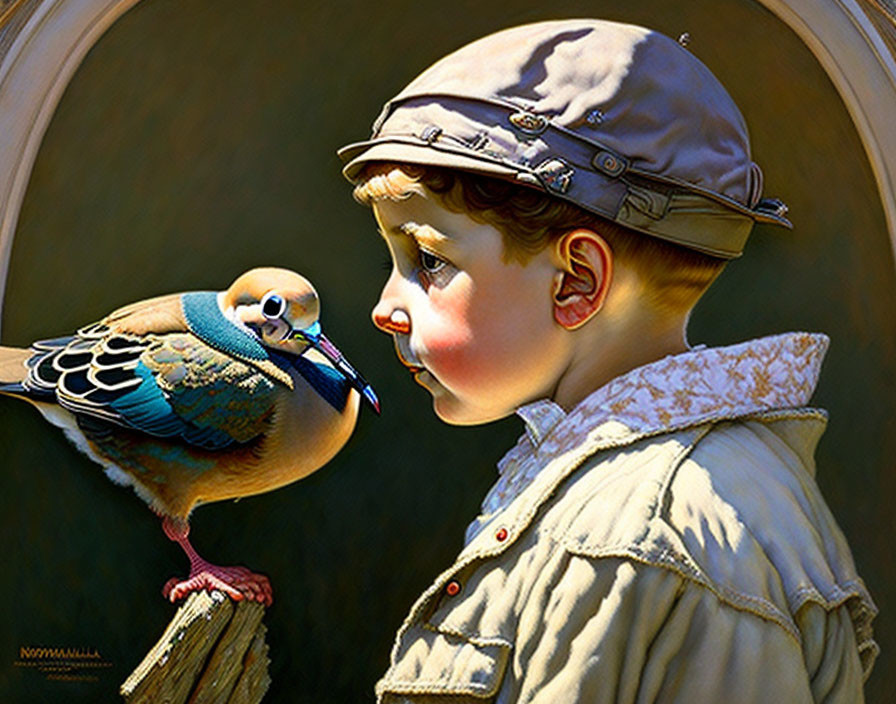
431 662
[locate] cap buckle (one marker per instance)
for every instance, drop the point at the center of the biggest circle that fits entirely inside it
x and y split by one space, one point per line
609 163
529 124
555 174
431 133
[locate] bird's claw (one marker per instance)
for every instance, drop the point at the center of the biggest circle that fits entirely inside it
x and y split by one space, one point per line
236 582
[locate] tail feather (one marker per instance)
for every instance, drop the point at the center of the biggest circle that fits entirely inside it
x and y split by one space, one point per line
13 365
53 343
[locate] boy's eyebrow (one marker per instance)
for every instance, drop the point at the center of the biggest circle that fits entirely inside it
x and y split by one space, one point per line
422 232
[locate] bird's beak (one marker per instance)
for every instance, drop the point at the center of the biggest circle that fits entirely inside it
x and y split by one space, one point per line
316 339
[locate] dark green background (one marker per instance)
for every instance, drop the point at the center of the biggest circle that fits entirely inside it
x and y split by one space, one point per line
197 140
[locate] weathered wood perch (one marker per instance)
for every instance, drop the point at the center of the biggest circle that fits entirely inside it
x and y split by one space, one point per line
212 651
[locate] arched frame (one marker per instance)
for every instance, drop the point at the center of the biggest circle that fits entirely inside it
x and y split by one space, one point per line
42 43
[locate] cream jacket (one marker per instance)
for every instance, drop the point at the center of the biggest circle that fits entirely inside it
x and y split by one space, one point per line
663 542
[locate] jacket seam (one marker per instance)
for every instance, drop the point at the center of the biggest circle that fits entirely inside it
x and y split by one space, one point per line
850 589
661 505
862 611
673 463
481 641
431 687
522 520
666 560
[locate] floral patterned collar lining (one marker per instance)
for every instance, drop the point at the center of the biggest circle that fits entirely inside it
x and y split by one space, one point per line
703 384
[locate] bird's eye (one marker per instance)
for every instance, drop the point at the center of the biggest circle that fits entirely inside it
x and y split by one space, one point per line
273 306
430 262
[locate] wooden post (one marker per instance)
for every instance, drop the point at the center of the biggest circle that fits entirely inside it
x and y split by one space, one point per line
213 650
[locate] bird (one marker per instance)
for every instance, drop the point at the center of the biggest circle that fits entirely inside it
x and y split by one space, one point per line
197 397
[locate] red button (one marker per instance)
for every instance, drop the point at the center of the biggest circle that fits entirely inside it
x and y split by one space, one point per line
452 588
501 534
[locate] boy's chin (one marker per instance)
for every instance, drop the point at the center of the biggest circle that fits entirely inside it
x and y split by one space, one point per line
453 411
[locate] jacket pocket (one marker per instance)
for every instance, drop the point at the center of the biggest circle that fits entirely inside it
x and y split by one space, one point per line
431 663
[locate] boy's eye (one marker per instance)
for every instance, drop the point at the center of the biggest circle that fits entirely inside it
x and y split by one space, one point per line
430 262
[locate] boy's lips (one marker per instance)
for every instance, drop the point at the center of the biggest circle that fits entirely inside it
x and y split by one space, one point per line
411 367
405 357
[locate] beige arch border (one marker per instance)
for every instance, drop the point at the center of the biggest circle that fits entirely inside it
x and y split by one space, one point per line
42 43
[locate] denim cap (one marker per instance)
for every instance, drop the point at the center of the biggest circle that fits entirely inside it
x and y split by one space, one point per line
618 119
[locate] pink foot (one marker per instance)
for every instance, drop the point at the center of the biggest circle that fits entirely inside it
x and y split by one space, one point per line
236 582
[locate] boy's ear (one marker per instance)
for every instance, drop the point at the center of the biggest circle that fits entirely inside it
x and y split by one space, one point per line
580 288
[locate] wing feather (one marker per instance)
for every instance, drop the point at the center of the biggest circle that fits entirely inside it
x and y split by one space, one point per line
159 315
168 385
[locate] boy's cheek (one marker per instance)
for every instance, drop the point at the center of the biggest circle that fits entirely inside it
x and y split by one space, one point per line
448 354
446 338
459 356
464 357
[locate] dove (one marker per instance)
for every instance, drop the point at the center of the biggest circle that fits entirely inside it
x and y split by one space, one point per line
198 397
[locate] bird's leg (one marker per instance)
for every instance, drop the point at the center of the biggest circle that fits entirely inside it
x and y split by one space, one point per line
237 582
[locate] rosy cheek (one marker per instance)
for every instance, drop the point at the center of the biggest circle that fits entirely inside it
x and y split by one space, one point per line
450 346
448 357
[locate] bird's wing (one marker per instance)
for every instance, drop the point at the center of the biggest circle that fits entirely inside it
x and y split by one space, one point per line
153 316
223 397
169 385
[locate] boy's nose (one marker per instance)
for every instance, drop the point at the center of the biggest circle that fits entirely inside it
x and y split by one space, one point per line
391 321
388 314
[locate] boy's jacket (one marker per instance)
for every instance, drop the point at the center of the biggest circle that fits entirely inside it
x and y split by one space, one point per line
673 546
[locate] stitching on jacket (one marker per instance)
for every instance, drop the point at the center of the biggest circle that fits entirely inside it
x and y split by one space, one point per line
481 641
518 525
788 414
668 473
578 458
476 689
522 520
666 559
423 687
862 611
664 495
799 596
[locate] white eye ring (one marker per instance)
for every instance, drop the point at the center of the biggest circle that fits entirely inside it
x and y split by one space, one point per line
273 306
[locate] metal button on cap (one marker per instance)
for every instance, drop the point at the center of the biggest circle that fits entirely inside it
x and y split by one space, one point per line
529 123
452 588
431 133
555 174
609 163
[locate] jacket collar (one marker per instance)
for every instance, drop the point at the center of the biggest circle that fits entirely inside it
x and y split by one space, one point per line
700 385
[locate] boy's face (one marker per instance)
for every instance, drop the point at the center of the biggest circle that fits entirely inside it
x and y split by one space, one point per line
477 332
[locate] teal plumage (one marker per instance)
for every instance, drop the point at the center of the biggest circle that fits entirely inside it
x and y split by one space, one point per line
205 320
146 408
199 397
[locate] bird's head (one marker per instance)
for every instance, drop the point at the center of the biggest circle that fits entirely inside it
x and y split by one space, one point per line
279 304
283 308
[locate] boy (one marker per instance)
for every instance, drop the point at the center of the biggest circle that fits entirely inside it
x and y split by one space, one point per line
556 198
